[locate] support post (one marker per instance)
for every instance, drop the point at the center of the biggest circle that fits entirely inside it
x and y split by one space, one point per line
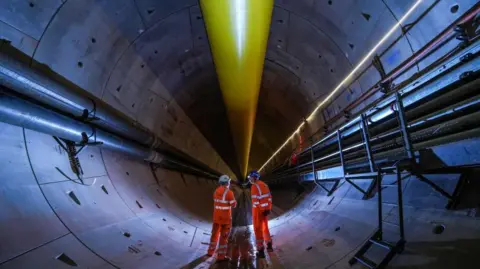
340 150
380 211
400 203
366 138
313 165
403 127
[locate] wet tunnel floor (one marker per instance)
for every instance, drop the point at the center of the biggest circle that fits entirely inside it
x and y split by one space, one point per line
242 251
241 248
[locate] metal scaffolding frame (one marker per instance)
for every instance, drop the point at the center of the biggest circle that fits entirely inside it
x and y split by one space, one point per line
408 162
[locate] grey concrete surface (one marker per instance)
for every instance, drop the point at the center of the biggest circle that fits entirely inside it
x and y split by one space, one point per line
142 56
151 60
125 218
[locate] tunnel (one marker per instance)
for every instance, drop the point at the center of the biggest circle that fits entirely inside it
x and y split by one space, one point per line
114 133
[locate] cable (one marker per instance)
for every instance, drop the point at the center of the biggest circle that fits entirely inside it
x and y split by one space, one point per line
347 78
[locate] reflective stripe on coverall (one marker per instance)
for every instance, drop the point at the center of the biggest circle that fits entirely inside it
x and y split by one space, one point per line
261 201
223 200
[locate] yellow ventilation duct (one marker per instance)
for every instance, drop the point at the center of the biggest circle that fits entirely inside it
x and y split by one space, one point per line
238 33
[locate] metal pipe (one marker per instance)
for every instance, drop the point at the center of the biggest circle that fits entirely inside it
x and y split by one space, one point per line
16 111
425 144
30 83
17 76
413 85
416 56
432 122
434 42
415 93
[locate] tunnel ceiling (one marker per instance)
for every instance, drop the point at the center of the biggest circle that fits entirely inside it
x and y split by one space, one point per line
140 55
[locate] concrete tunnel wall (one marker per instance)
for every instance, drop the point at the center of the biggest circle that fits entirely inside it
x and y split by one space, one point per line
125 218
139 57
151 60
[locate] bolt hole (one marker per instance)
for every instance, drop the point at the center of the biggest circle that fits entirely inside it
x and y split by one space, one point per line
156 52
158 206
199 17
438 229
119 88
138 204
142 66
80 64
150 11
330 2
185 232
158 253
319 56
127 173
337 229
280 41
454 8
200 38
104 189
366 16
309 248
91 156
67 260
31 4
133 105
74 198
164 220
331 70
151 100
126 234
94 40
280 21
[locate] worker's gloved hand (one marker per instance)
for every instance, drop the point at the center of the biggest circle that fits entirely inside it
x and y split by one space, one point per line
266 213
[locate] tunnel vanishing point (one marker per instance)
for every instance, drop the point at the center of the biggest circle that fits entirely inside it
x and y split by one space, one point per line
116 120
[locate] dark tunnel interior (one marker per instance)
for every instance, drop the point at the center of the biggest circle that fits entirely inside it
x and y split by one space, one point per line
114 131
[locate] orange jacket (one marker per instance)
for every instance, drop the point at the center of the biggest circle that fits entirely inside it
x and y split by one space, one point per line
223 201
261 197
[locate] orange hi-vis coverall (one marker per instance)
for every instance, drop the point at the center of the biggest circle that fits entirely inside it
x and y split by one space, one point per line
223 200
261 202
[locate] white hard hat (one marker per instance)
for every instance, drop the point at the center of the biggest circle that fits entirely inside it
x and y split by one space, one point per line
224 179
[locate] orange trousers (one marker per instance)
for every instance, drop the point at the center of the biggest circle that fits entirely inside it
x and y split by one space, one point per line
219 231
260 227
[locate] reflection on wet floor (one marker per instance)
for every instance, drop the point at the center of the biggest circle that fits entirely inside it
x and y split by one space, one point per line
241 247
241 250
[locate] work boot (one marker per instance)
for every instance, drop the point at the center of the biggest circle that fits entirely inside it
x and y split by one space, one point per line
269 247
261 254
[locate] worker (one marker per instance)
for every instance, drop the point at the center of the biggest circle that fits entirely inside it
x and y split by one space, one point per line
261 208
223 200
